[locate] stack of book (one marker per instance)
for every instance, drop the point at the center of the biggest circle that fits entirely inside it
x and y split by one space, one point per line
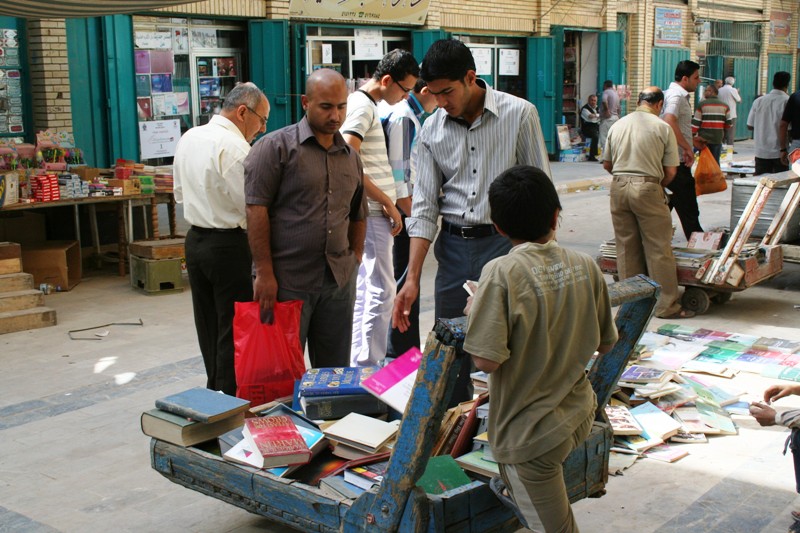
649 382
333 392
357 435
193 416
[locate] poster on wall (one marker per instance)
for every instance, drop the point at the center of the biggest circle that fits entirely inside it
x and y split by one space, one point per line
368 44
780 27
159 138
483 61
180 41
414 12
509 62
204 38
153 40
669 27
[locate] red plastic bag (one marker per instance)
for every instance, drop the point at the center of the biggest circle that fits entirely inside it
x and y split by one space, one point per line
267 357
708 177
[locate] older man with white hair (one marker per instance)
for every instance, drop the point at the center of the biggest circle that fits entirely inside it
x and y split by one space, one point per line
730 95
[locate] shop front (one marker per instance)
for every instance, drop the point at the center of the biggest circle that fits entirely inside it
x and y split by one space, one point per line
15 105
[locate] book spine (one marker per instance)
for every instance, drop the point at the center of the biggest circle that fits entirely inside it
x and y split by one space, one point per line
324 390
447 447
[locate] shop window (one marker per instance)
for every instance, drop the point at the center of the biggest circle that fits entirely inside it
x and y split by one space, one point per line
500 61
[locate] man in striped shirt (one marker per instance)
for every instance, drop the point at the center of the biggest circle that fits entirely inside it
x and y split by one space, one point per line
474 136
391 82
711 118
768 416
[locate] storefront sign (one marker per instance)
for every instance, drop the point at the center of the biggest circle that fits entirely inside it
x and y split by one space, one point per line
411 12
160 40
669 27
368 44
509 62
483 61
780 27
159 138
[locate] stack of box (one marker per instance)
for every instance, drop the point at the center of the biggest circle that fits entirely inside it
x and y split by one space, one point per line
72 186
99 189
147 184
156 265
44 188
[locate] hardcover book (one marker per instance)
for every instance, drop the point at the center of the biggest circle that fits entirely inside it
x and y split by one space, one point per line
202 404
340 488
476 463
394 383
622 421
230 439
442 474
332 381
276 440
362 432
330 407
316 442
179 430
365 476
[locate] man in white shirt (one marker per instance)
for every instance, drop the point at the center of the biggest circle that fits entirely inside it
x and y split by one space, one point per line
764 121
209 181
730 95
609 110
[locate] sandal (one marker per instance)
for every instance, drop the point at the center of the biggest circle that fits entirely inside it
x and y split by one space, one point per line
498 486
683 313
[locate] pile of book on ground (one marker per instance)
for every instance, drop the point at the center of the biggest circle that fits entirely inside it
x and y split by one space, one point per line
336 432
678 391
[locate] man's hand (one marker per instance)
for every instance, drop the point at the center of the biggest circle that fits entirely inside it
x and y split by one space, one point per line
265 292
699 142
393 214
785 158
688 158
776 392
402 305
404 205
764 414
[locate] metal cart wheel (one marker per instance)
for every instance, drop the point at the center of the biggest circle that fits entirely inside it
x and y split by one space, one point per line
696 299
721 297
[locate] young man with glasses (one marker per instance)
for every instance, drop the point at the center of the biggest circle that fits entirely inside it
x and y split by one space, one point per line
209 182
393 78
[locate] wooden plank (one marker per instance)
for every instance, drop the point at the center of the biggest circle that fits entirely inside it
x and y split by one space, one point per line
782 217
158 249
16 282
10 250
38 317
20 300
10 266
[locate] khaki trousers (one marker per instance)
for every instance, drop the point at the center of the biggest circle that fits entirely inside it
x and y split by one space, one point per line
643 232
538 488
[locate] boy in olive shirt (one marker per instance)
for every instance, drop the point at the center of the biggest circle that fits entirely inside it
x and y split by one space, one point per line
538 316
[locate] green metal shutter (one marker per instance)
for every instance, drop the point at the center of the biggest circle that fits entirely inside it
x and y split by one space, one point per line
777 63
541 85
745 70
715 67
662 67
421 40
610 54
298 38
103 96
269 67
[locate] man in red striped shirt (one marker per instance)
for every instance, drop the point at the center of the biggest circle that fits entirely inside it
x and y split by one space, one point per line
711 118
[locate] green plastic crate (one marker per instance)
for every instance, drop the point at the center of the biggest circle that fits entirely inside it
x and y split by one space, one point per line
156 276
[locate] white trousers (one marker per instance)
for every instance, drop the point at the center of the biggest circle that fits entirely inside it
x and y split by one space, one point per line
375 292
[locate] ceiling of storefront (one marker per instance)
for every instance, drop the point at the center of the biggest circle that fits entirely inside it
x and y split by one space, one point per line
49 9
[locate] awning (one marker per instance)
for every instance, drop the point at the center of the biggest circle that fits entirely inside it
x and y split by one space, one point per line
57 9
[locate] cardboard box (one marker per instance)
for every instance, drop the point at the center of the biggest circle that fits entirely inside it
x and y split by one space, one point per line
86 173
55 262
128 187
23 227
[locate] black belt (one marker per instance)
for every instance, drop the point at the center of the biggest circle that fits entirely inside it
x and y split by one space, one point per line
469 232
217 230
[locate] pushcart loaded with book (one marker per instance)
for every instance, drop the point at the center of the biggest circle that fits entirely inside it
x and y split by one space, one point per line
397 503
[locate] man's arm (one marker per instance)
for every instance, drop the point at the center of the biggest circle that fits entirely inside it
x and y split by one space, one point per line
374 193
783 136
356 234
608 165
399 140
531 149
265 286
485 364
669 175
418 249
688 154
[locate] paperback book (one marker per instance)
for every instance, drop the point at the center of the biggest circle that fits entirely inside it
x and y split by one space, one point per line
394 383
276 441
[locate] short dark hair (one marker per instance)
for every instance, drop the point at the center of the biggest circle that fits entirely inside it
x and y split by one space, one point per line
651 97
398 64
781 80
447 59
685 68
421 84
523 201
608 84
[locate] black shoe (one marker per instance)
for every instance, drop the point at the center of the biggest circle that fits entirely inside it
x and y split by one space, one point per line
498 486
592 159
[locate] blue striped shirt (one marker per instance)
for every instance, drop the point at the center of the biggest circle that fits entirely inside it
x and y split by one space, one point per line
461 160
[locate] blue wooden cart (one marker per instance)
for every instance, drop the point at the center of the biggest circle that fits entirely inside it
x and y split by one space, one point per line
397 504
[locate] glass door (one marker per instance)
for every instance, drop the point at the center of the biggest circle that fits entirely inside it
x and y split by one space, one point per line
216 73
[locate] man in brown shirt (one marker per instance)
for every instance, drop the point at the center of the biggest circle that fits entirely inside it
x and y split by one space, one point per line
306 209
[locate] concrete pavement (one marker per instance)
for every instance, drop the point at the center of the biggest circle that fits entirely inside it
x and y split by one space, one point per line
74 460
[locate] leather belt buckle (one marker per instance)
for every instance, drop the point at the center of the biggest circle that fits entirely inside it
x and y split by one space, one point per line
464 230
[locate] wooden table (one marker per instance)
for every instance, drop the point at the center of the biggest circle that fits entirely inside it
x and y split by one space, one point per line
125 205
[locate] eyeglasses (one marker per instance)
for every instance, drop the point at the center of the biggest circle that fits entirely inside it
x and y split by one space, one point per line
262 119
401 86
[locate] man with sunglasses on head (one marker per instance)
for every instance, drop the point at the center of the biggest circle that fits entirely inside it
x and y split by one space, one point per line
209 182
474 136
394 77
